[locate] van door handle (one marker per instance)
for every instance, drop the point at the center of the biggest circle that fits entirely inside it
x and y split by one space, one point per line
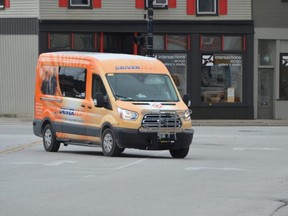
82 105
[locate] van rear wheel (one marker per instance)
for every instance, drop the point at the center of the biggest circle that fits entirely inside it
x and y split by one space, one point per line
109 146
49 139
179 153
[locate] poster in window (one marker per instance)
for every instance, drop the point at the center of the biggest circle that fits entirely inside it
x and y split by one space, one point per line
221 78
176 63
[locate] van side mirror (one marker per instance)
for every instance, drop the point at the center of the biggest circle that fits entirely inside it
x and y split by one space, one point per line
187 100
98 99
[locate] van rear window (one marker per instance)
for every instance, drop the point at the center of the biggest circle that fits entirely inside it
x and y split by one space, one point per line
72 82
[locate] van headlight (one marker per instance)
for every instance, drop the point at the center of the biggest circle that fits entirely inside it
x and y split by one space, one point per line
187 115
127 114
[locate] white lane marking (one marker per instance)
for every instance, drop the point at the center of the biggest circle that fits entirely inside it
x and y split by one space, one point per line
136 162
214 168
53 163
131 164
260 149
60 162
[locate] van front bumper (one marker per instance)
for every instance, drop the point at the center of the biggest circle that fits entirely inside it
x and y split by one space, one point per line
130 138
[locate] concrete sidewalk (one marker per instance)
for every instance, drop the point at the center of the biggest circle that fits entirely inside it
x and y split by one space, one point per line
208 122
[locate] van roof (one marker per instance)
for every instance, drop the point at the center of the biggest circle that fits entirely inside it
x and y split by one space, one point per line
101 56
110 62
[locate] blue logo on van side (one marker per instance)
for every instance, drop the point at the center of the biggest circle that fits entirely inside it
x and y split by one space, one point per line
67 111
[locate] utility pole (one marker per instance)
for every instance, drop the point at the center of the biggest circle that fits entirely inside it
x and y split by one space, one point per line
149 44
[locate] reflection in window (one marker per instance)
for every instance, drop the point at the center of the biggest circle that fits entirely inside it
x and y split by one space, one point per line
221 78
232 43
266 49
210 43
176 42
176 63
60 41
1 3
118 42
98 86
206 7
72 82
83 41
142 87
81 3
158 42
48 76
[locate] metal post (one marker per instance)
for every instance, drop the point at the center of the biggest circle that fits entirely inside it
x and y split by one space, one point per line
150 28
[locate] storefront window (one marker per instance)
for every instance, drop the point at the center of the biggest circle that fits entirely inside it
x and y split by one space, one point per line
221 78
265 52
83 41
284 76
176 42
232 43
118 42
176 63
60 41
210 43
158 42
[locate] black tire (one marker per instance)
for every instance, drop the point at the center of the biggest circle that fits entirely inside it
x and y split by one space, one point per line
179 153
109 146
49 139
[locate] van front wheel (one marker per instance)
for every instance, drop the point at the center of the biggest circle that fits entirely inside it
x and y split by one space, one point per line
49 139
179 153
109 146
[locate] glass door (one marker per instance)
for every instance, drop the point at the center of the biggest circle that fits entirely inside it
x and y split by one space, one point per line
265 94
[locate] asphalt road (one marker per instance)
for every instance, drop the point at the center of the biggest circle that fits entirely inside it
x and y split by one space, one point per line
230 171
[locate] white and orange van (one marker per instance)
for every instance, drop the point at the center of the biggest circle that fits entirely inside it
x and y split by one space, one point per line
116 101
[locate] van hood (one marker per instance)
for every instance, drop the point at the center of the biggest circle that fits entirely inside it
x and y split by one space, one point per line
148 107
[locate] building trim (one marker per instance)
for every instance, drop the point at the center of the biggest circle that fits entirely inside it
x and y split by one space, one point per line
237 26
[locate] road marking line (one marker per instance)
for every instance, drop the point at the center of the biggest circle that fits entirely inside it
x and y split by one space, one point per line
131 164
261 149
137 162
19 148
60 162
214 168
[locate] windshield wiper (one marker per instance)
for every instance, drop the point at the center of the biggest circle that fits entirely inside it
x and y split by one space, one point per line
123 98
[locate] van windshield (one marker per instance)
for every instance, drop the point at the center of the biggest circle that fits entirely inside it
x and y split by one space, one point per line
142 87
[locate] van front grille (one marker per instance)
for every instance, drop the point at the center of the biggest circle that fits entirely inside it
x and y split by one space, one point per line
161 120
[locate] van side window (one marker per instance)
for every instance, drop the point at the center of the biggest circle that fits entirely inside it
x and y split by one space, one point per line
72 82
98 86
49 80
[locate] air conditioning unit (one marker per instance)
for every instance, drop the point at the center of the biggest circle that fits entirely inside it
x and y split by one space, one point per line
158 3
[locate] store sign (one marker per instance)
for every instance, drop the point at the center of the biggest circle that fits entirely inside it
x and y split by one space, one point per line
176 63
222 60
285 61
173 59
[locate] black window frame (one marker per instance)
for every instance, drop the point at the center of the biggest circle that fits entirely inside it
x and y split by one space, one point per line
79 6
198 13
